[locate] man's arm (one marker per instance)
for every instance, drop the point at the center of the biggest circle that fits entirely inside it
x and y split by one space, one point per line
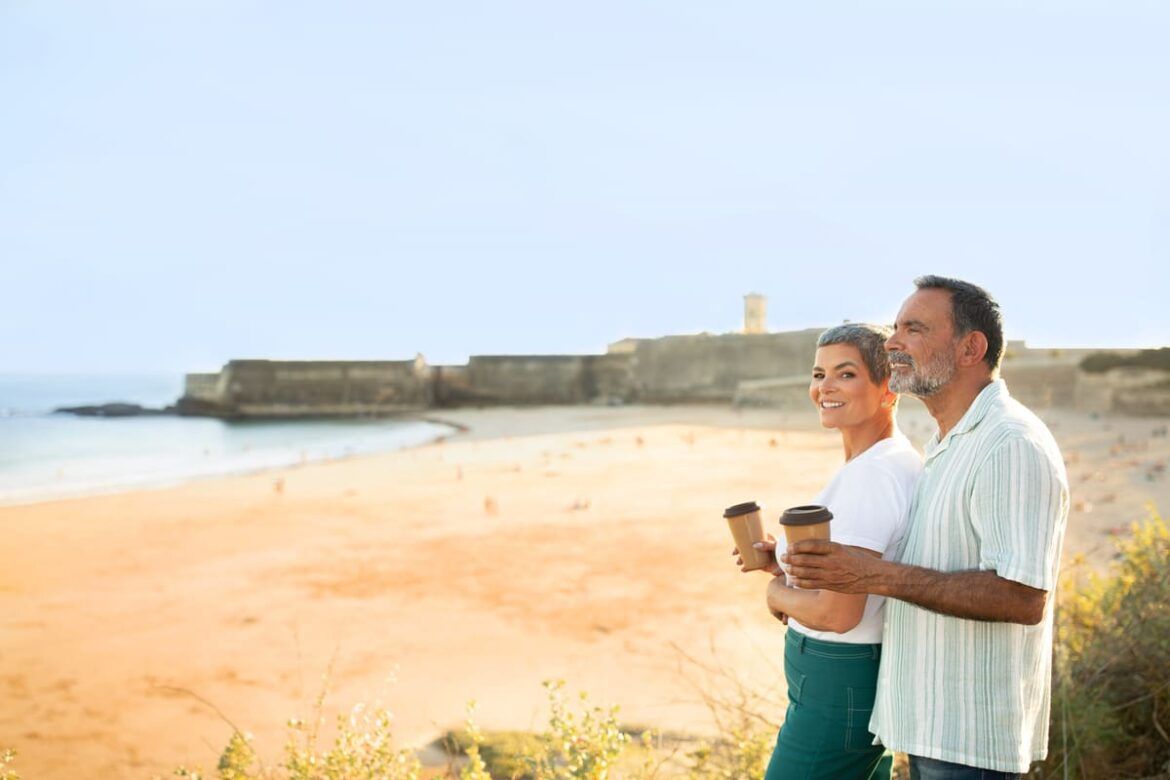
974 595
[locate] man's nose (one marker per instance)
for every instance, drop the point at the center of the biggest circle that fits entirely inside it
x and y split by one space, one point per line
892 344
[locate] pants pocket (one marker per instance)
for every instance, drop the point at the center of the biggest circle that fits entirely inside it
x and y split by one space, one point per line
858 709
795 688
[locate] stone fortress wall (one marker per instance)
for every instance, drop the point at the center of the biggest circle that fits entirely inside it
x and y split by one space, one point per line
747 368
257 389
677 369
202 387
673 369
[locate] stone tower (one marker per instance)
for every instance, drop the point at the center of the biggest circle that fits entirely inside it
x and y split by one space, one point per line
755 313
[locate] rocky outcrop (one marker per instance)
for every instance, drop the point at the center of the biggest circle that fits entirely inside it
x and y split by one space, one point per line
115 410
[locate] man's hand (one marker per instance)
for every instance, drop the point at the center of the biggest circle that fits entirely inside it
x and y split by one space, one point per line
815 564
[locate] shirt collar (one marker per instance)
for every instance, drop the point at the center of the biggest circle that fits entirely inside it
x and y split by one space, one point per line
974 415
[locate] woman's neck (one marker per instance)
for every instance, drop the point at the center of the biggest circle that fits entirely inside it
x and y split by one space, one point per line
859 438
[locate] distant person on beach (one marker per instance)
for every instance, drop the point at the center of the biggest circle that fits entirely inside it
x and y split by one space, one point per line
965 675
833 643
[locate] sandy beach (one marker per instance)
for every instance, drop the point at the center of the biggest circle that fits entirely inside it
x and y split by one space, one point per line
582 543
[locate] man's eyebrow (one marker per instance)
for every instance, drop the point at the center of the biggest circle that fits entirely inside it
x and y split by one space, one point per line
908 323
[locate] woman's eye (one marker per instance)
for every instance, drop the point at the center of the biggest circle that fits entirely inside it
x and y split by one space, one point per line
818 376
847 374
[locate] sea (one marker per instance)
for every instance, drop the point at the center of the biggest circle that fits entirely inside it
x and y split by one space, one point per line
45 456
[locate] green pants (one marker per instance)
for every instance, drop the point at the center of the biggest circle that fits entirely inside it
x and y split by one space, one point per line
825 733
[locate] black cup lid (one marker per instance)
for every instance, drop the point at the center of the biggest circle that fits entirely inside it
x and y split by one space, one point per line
810 514
741 509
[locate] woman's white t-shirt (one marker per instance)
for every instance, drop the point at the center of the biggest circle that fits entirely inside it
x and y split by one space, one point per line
870 500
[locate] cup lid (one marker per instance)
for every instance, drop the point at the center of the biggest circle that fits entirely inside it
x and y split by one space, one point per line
741 509
810 514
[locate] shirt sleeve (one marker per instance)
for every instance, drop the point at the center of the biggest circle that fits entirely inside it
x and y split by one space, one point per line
869 509
1017 513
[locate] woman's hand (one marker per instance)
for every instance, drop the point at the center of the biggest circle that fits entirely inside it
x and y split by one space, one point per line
777 582
769 547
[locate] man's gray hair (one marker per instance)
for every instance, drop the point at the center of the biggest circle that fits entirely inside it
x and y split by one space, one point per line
972 308
870 341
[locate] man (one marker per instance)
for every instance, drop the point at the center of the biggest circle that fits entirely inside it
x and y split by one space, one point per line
965 678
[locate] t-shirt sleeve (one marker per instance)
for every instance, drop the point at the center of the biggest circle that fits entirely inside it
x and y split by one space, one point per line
1016 510
869 509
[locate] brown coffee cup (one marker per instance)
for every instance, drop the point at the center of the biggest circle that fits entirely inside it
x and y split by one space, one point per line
746 529
806 522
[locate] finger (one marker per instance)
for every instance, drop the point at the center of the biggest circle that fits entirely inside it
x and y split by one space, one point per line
805 574
811 546
784 619
735 551
804 561
764 545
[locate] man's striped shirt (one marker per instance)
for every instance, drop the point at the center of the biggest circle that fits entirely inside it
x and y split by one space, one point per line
993 496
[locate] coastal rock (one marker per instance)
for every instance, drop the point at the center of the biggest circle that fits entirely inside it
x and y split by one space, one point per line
188 406
113 410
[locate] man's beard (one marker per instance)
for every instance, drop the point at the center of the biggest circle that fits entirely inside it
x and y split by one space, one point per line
922 380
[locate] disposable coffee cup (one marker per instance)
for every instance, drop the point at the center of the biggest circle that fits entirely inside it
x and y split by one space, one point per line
806 522
746 529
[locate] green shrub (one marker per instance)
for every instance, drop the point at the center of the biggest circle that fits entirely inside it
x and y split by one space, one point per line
586 744
7 756
1111 697
1099 362
503 752
741 755
475 768
577 746
235 763
362 750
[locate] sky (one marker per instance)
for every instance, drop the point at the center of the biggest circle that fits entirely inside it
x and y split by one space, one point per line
182 182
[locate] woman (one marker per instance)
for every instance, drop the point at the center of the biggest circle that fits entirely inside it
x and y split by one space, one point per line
833 643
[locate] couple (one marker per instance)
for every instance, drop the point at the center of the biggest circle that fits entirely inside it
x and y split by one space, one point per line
960 552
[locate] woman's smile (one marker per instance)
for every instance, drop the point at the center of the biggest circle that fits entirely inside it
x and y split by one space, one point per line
841 388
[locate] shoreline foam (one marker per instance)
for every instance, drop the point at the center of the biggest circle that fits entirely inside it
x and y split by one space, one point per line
252 460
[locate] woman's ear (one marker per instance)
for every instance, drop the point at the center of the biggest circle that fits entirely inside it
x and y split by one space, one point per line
889 397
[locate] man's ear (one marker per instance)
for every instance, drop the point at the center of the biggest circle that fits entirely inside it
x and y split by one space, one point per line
972 348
